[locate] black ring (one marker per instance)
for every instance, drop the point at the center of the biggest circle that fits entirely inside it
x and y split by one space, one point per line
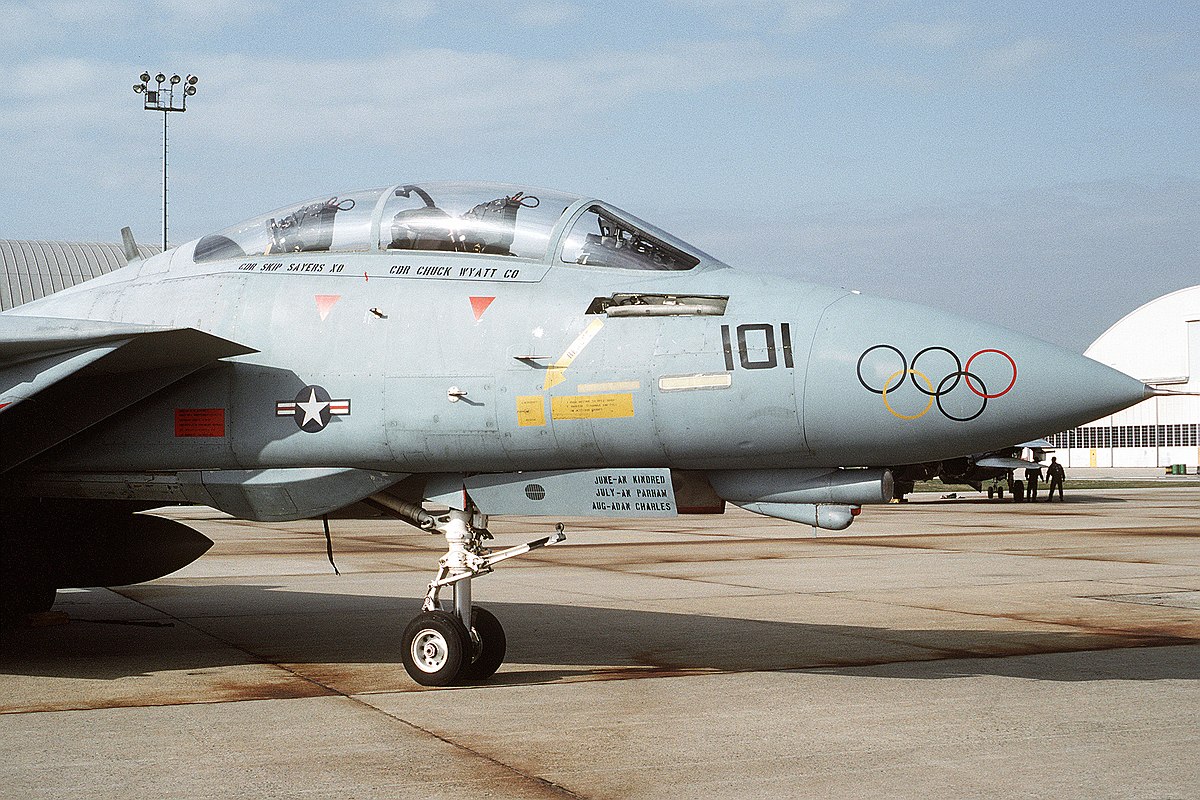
903 368
956 376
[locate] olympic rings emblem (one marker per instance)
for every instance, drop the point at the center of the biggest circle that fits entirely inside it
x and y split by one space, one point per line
951 379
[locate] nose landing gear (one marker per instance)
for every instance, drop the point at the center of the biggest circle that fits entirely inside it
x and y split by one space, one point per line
465 644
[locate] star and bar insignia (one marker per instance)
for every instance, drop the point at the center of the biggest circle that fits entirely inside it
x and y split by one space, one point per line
312 409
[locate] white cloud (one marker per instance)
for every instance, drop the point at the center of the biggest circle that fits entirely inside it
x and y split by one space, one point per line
793 16
1184 79
800 16
893 78
1015 60
274 124
940 35
208 15
420 96
53 76
414 11
545 14
57 98
33 27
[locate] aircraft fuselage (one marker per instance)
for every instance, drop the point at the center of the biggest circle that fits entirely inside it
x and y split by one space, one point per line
433 362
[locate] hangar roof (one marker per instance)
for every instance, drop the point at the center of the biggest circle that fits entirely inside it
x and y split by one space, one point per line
1151 342
31 269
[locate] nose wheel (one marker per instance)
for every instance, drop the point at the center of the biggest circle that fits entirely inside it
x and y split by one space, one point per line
465 644
435 644
439 651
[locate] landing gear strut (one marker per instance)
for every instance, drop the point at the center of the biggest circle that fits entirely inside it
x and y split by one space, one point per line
463 643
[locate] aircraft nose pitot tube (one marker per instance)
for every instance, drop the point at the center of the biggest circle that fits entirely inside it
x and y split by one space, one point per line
933 385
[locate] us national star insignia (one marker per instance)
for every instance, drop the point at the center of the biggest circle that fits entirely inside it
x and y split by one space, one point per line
312 409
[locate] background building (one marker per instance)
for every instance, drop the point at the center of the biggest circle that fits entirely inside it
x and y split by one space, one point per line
33 269
1158 343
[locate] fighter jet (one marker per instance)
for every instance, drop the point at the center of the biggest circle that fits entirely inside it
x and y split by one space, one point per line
996 468
485 350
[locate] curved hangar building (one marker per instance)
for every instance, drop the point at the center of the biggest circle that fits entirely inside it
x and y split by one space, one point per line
1158 343
32 269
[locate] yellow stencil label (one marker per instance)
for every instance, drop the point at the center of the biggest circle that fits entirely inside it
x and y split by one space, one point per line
592 406
531 411
554 375
608 386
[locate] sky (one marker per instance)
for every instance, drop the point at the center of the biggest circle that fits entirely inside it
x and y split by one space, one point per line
1029 163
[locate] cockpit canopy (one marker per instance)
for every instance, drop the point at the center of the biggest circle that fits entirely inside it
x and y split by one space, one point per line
462 218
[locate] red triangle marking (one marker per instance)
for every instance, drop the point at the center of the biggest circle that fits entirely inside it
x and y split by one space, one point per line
480 305
325 303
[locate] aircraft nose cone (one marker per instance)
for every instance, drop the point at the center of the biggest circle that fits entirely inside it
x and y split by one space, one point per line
931 385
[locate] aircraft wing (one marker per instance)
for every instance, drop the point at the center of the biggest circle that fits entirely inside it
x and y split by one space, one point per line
1005 463
59 377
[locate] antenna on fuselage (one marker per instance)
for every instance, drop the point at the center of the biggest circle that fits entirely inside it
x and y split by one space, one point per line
129 245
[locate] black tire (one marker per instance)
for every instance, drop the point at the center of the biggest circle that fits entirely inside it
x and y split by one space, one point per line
487 654
435 647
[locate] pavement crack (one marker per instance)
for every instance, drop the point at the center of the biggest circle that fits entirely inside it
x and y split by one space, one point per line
553 789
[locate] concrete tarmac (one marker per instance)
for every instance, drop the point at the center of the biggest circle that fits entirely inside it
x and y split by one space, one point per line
943 648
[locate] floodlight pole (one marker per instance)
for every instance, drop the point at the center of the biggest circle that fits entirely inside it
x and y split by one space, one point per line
163 99
164 182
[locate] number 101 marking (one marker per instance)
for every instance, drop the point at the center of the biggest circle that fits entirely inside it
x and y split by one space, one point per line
749 360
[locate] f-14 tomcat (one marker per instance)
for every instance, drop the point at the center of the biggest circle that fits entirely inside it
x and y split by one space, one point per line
487 350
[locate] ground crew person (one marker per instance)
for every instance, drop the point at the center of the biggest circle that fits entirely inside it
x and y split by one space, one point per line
1032 476
1055 473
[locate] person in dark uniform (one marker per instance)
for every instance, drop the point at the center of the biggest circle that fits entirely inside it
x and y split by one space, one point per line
1032 476
1056 475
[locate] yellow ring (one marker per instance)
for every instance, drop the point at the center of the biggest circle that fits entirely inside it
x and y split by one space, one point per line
900 373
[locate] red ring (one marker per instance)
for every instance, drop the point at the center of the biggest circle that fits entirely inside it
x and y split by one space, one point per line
1011 383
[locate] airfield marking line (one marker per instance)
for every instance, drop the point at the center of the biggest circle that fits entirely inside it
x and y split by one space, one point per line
334 692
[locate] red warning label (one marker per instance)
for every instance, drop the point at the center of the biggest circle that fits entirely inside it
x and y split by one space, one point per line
199 422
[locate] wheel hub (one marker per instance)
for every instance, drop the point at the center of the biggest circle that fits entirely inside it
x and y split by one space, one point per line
429 651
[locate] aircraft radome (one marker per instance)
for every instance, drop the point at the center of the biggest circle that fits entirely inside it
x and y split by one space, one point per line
492 349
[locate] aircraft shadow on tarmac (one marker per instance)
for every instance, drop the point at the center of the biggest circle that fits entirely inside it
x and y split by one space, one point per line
218 626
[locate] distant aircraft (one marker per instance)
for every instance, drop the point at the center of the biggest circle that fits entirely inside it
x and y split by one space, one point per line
996 466
490 350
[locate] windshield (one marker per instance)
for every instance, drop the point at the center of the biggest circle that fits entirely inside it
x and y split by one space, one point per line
601 237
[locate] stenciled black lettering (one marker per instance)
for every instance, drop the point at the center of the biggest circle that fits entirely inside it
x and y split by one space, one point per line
727 347
768 332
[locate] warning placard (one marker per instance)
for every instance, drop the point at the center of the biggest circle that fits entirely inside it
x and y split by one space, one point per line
531 411
199 422
592 406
